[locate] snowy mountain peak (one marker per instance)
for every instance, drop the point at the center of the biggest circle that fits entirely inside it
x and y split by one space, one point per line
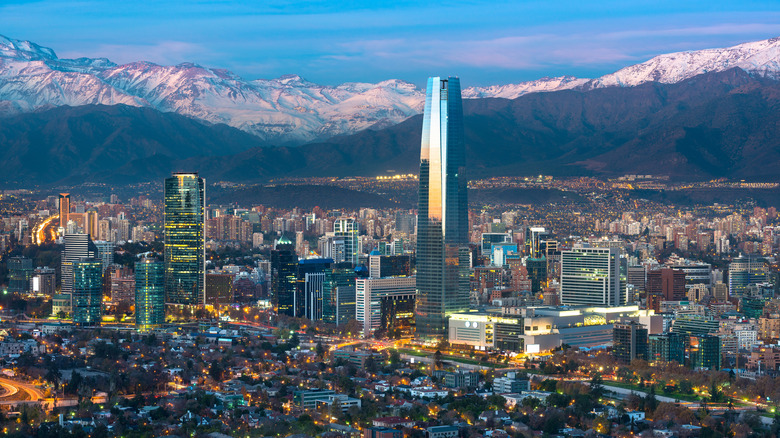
758 57
11 48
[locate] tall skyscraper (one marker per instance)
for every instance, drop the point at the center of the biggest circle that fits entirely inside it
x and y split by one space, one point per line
64 209
442 220
348 229
284 274
185 247
149 294
593 277
87 291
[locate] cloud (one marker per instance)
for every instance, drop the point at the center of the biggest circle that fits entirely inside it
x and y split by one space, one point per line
163 52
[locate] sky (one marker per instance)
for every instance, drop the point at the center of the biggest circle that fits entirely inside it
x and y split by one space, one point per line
335 41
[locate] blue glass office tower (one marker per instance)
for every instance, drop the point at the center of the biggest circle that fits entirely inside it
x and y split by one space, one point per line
149 294
185 245
442 222
87 291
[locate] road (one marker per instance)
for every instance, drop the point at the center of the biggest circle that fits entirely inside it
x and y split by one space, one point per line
34 394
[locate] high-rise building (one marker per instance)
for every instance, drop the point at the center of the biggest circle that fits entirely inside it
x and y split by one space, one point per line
311 278
76 247
389 265
593 276
20 270
629 342
185 248
105 252
533 239
668 283
442 220
87 295
537 273
348 228
219 289
666 347
64 209
746 270
284 271
338 298
149 294
44 281
705 352
385 304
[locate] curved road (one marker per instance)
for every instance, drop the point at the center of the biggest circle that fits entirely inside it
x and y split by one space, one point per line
13 387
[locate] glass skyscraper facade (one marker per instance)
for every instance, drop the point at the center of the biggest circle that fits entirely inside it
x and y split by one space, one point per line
284 273
149 294
87 291
185 249
442 222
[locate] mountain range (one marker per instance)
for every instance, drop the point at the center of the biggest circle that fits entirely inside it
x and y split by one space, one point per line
290 110
689 115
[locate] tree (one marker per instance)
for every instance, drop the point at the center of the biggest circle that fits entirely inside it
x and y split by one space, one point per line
320 350
597 385
216 371
437 362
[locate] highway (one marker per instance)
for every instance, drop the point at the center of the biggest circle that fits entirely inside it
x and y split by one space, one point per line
13 387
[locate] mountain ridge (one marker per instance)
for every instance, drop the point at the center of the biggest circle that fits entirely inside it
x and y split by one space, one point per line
290 110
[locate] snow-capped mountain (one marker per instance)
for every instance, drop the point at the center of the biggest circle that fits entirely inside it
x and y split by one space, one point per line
759 58
287 109
513 91
290 109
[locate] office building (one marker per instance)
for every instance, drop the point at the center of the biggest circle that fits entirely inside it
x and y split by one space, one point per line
185 248
442 224
593 277
705 352
105 252
284 276
348 229
629 342
668 283
87 295
637 276
64 204
533 239
338 299
149 294
746 270
310 287
385 305
389 265
43 282
720 291
510 384
537 273
20 270
219 288
75 248
382 432
695 274
665 348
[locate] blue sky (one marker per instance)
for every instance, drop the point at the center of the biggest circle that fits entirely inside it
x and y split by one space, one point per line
336 41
